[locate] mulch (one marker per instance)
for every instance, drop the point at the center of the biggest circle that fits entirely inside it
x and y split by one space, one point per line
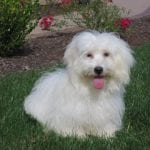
45 51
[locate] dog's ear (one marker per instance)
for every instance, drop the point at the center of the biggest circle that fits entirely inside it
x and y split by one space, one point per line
126 61
129 57
78 43
70 54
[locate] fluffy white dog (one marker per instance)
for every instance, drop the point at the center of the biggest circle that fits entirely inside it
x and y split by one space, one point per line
86 97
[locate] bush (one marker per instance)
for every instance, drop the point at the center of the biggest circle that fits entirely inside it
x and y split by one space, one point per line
97 15
17 19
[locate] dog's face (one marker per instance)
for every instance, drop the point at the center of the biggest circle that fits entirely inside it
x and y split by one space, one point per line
100 57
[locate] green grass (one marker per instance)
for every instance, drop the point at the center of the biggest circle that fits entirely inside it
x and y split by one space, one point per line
20 132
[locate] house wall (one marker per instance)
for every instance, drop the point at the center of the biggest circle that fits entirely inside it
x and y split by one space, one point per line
135 7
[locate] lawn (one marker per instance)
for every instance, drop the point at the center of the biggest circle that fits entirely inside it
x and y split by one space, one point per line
20 132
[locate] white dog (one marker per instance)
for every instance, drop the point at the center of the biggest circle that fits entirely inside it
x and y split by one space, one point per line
86 97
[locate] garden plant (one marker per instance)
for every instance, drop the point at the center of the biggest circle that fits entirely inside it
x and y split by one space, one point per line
17 19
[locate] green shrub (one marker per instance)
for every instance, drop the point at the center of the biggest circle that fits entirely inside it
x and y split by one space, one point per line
17 19
97 15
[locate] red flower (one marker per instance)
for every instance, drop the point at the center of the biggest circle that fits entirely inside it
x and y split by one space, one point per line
65 2
117 23
45 22
123 23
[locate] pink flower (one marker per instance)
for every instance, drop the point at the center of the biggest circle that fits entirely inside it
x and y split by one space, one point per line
123 23
45 22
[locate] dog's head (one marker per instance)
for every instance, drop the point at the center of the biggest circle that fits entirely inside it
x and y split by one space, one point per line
100 57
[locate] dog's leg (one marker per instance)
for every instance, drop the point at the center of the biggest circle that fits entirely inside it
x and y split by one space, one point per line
110 130
71 132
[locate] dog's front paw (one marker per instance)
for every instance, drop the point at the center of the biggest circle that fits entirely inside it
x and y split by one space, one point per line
107 132
110 132
72 132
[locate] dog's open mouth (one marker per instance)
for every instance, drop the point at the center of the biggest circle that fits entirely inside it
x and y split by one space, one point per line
99 82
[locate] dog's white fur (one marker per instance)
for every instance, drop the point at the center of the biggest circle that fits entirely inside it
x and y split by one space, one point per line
66 101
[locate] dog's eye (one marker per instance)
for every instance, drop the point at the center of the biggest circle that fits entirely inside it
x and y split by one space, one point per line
106 54
89 55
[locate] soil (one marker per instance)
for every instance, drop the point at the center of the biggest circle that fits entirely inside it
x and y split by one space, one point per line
46 51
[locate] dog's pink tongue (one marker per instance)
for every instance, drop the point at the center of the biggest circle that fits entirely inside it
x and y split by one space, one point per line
98 83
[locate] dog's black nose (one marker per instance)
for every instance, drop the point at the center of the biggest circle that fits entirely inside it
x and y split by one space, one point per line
98 70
